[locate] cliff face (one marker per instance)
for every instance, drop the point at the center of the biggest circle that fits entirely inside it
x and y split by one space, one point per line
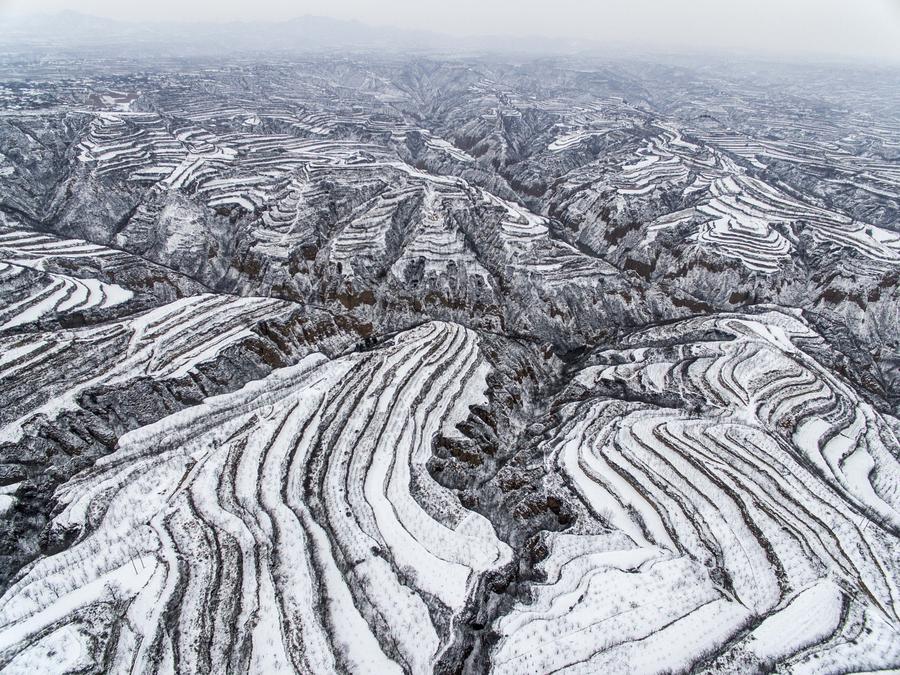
422 365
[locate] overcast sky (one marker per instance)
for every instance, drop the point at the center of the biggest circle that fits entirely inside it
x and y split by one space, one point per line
861 29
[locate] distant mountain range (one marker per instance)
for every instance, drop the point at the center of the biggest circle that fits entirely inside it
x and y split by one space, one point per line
77 31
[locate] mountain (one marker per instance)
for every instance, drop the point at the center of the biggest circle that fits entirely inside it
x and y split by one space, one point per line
73 31
405 363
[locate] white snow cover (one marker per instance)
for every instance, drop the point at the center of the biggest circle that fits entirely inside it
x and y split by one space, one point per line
304 494
55 293
768 524
163 343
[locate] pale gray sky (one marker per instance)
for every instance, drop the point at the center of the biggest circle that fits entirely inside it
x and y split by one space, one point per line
863 29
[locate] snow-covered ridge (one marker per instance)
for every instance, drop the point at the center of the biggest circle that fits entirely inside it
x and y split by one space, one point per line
759 527
311 489
29 297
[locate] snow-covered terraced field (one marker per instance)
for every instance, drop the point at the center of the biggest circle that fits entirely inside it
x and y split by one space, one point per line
436 245
742 227
138 144
31 291
34 250
658 164
745 212
51 295
290 525
226 169
737 215
383 363
876 176
364 239
758 526
163 343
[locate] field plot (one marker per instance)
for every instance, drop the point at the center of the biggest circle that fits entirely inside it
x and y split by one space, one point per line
310 488
760 527
371 362
34 286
